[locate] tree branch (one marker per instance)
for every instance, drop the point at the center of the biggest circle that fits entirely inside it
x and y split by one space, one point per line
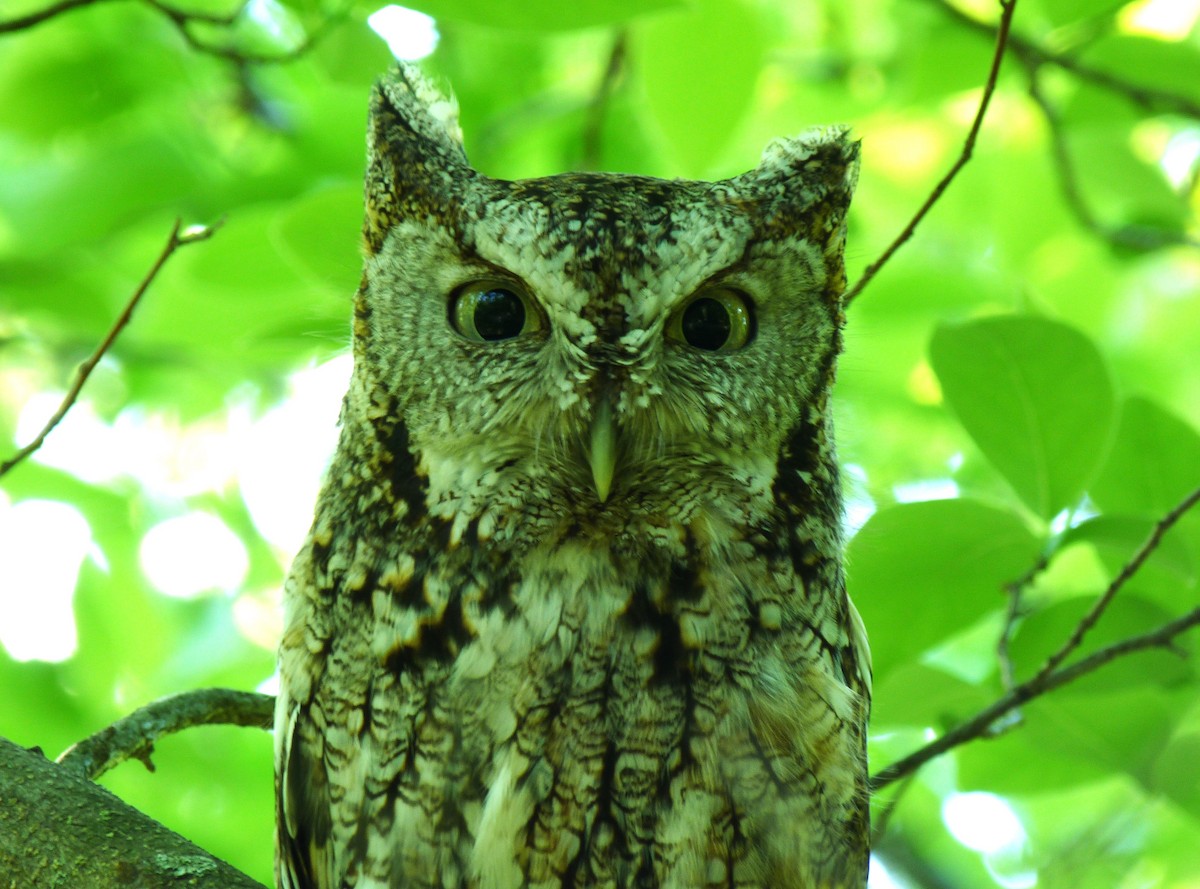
59 829
981 723
184 20
1052 674
174 242
1150 99
1007 7
1138 237
179 17
21 23
1127 571
1015 610
133 736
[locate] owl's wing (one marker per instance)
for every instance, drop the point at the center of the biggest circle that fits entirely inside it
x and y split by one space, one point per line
856 661
303 857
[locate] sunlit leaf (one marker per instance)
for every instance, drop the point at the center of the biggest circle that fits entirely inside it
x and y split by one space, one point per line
540 15
698 68
920 695
352 54
920 572
1125 190
1013 762
1153 464
946 59
318 234
1168 65
1035 396
1062 12
238 294
1062 741
1123 729
1176 774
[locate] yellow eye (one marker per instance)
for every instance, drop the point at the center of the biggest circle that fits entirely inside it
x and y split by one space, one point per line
490 311
715 320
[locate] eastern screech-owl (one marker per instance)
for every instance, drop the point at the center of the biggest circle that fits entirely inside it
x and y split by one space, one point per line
571 613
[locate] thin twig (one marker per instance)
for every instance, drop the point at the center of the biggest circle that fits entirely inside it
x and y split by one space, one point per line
1008 7
980 724
174 242
598 107
230 53
1137 237
178 16
1127 571
1012 614
184 19
1015 611
1052 674
1150 99
133 736
36 18
1062 158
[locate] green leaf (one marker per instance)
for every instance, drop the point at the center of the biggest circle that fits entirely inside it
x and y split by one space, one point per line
1062 12
541 15
235 297
1066 740
945 58
77 308
351 53
1176 774
318 234
1123 189
1169 66
40 708
1153 464
1124 729
1015 762
920 695
1035 396
699 69
921 572
96 190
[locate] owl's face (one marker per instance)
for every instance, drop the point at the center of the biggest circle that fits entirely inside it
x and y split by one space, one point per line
595 353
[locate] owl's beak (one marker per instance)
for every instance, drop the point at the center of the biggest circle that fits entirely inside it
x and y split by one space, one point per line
602 453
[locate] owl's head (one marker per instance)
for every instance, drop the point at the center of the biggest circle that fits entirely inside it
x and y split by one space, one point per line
594 353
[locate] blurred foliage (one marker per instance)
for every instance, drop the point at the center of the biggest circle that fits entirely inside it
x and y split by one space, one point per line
1029 358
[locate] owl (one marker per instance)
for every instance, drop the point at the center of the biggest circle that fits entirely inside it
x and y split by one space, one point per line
571 612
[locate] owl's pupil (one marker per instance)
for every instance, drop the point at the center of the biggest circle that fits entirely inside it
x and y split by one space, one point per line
706 324
499 314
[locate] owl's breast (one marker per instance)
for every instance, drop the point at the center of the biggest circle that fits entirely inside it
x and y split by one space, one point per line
642 725
651 702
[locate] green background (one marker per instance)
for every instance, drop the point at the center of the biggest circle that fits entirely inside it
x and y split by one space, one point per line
1021 382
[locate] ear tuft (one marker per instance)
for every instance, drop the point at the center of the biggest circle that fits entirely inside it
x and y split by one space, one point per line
828 150
807 180
405 106
414 151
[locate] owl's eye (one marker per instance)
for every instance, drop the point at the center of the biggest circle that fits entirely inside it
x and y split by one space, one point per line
489 311
715 320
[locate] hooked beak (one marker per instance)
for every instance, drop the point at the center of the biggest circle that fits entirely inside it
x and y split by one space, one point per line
602 450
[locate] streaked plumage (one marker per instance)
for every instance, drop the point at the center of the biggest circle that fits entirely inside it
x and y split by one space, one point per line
571 613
